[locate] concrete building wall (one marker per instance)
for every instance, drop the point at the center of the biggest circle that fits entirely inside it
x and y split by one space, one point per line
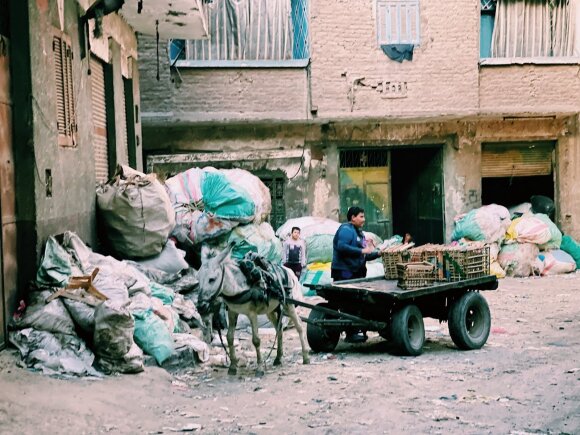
529 89
55 185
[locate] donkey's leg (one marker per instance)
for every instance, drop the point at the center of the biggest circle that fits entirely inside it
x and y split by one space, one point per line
298 324
275 318
256 342
232 322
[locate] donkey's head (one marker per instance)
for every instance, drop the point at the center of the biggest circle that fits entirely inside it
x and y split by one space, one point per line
211 277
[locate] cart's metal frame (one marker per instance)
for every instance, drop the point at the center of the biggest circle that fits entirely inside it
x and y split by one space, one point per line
369 303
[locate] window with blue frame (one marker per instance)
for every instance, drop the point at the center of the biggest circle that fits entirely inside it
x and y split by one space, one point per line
528 29
249 32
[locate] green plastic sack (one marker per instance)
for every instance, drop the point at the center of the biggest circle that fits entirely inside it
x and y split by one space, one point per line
572 247
225 200
55 269
314 277
256 238
165 294
152 335
319 248
556 235
468 227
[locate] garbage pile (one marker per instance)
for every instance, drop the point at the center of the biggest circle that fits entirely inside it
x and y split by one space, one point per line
318 234
89 313
523 241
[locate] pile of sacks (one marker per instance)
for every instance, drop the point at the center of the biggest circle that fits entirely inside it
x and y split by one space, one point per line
129 310
140 215
522 243
318 234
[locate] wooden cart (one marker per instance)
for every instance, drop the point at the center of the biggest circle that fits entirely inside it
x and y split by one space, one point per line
377 304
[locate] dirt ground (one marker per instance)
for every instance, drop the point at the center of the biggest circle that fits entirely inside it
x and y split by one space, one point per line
525 380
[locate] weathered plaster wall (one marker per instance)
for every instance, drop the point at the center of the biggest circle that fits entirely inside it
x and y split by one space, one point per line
461 139
529 89
8 275
568 164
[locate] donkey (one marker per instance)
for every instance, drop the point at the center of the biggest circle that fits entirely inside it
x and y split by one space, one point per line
220 276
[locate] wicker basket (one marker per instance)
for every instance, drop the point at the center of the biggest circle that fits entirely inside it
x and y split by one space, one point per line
415 275
465 263
392 257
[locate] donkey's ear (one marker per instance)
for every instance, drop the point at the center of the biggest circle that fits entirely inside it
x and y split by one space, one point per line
227 250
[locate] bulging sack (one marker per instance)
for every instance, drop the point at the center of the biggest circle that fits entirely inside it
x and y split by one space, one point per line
136 213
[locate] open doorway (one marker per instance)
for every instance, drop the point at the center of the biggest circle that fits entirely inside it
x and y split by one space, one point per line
513 172
417 192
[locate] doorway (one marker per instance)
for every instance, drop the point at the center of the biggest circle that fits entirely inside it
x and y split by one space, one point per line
417 186
513 172
364 182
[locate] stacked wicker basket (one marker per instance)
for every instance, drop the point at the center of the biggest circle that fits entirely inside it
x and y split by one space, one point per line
421 266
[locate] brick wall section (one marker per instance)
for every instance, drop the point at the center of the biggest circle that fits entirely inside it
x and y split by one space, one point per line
529 89
219 93
441 79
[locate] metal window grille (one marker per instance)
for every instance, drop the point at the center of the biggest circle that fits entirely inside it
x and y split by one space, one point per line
278 213
253 30
65 101
488 5
398 22
363 158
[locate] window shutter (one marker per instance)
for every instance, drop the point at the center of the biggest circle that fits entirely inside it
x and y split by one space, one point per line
398 22
65 103
60 92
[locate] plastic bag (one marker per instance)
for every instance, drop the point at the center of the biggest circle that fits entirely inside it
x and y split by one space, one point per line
152 335
557 262
257 190
518 259
519 210
542 204
224 199
319 248
171 259
113 336
256 238
497 270
309 226
163 293
55 267
136 212
528 229
54 353
51 317
200 348
572 247
82 314
488 223
131 362
555 234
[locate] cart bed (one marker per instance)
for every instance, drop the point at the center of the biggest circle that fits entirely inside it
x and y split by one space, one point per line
388 288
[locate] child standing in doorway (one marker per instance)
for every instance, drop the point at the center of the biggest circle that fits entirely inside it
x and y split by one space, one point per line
294 252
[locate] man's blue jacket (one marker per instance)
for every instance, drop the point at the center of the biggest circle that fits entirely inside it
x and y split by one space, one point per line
348 244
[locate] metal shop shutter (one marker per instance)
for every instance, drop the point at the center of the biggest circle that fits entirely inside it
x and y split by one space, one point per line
99 120
123 116
516 159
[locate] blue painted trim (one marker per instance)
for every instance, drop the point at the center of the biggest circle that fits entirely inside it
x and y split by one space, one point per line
292 63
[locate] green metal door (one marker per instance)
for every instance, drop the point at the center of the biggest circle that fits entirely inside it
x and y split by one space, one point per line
367 187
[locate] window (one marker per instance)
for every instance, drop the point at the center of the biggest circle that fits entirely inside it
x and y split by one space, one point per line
278 213
398 22
65 102
528 29
250 32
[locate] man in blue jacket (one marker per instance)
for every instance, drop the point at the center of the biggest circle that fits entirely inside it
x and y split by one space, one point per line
350 254
350 250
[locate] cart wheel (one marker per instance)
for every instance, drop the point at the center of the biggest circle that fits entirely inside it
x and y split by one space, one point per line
469 321
408 330
321 339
